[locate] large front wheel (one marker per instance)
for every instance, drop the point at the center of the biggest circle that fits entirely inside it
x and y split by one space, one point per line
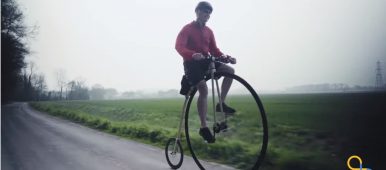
243 143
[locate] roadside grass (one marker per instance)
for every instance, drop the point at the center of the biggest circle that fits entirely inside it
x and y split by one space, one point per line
306 131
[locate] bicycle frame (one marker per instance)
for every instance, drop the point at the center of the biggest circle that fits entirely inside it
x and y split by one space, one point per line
219 124
182 118
212 70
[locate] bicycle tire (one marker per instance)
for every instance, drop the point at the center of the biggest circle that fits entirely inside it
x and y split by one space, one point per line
167 154
263 122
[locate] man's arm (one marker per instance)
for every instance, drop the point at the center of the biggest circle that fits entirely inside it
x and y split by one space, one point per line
181 44
213 47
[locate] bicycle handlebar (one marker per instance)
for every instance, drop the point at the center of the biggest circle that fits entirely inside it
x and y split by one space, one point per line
218 59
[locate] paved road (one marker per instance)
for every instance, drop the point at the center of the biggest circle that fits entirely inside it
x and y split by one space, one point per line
32 140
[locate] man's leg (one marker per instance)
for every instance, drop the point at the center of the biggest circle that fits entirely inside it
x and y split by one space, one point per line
227 82
202 105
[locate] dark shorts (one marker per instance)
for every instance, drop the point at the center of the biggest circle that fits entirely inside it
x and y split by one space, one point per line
195 71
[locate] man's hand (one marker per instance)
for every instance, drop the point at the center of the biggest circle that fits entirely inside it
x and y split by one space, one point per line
232 60
197 56
229 59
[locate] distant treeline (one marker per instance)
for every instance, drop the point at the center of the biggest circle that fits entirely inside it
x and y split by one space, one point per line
339 87
97 92
19 80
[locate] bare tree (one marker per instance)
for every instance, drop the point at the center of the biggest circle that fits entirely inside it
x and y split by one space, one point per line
28 88
78 90
33 84
31 71
61 81
39 84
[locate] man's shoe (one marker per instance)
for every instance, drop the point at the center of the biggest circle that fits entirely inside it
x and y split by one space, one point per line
207 135
227 110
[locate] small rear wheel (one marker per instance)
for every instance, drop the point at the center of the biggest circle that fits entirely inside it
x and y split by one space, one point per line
174 154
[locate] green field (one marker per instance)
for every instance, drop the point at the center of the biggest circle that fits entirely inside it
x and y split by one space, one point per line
306 131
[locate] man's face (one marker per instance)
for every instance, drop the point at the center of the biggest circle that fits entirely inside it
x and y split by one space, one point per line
203 15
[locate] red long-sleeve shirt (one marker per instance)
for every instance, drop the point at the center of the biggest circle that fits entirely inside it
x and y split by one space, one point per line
195 39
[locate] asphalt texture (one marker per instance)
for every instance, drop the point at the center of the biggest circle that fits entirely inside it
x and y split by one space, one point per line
31 140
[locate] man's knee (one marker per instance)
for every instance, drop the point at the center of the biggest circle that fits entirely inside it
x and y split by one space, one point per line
231 70
227 69
202 87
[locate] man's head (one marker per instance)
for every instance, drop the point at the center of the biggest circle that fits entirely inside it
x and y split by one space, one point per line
203 11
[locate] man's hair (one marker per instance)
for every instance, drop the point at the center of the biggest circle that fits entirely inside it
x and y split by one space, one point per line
204 5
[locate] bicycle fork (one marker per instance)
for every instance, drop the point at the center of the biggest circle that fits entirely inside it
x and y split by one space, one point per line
182 118
216 125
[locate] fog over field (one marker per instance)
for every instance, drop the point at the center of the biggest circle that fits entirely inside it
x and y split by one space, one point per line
129 45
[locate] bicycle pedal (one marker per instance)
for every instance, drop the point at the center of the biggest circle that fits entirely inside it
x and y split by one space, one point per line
220 127
222 130
216 129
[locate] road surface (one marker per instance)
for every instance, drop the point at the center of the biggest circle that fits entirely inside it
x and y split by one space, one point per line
32 140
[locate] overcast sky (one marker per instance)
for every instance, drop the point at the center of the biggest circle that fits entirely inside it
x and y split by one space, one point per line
129 45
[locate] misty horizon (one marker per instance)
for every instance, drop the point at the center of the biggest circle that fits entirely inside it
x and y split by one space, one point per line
129 46
112 94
